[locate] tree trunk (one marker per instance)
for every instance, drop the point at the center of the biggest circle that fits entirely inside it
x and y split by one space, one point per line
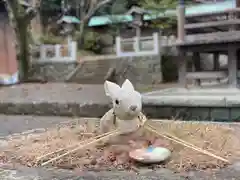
20 26
81 38
24 54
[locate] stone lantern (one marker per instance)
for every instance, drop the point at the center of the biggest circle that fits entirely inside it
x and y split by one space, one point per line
68 23
137 13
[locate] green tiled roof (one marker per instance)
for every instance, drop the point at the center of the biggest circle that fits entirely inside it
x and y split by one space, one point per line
69 19
190 10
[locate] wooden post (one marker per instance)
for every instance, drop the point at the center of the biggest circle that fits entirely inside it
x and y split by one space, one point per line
182 69
232 66
197 66
237 14
231 16
216 65
238 60
237 3
181 20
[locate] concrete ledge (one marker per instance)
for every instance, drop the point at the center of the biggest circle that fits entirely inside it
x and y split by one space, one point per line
99 109
54 99
229 97
55 109
191 101
208 104
90 101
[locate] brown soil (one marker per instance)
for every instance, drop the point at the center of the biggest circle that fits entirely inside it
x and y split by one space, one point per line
221 140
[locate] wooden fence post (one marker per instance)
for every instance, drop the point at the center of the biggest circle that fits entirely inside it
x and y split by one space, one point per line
197 66
181 20
232 66
182 69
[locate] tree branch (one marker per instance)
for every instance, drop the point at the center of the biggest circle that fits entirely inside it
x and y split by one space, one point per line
94 9
29 14
13 5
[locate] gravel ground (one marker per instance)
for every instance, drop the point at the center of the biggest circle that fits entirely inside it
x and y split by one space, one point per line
18 124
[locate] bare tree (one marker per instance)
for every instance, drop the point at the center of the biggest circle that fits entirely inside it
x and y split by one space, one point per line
86 9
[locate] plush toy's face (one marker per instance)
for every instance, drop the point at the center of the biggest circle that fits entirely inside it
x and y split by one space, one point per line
127 103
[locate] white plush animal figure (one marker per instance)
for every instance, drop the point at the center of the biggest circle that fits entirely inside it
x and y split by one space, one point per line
127 106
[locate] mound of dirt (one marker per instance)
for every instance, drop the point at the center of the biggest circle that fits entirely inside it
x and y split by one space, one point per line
31 150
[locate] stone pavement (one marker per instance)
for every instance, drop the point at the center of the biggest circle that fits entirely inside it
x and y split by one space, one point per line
54 99
24 173
53 92
57 99
18 123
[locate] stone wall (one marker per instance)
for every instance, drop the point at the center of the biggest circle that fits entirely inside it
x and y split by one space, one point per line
141 70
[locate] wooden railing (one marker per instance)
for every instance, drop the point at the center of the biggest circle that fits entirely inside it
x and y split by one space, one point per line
228 18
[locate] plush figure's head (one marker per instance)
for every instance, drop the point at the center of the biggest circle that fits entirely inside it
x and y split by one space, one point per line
127 103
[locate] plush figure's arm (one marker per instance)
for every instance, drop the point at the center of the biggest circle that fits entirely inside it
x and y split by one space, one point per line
142 119
107 122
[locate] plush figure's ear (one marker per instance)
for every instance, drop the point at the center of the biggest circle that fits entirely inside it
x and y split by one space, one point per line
111 89
127 85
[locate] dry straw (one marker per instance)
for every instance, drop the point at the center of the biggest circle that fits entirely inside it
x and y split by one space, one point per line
194 145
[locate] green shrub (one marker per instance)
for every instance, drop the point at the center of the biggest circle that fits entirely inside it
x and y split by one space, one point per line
51 39
91 41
